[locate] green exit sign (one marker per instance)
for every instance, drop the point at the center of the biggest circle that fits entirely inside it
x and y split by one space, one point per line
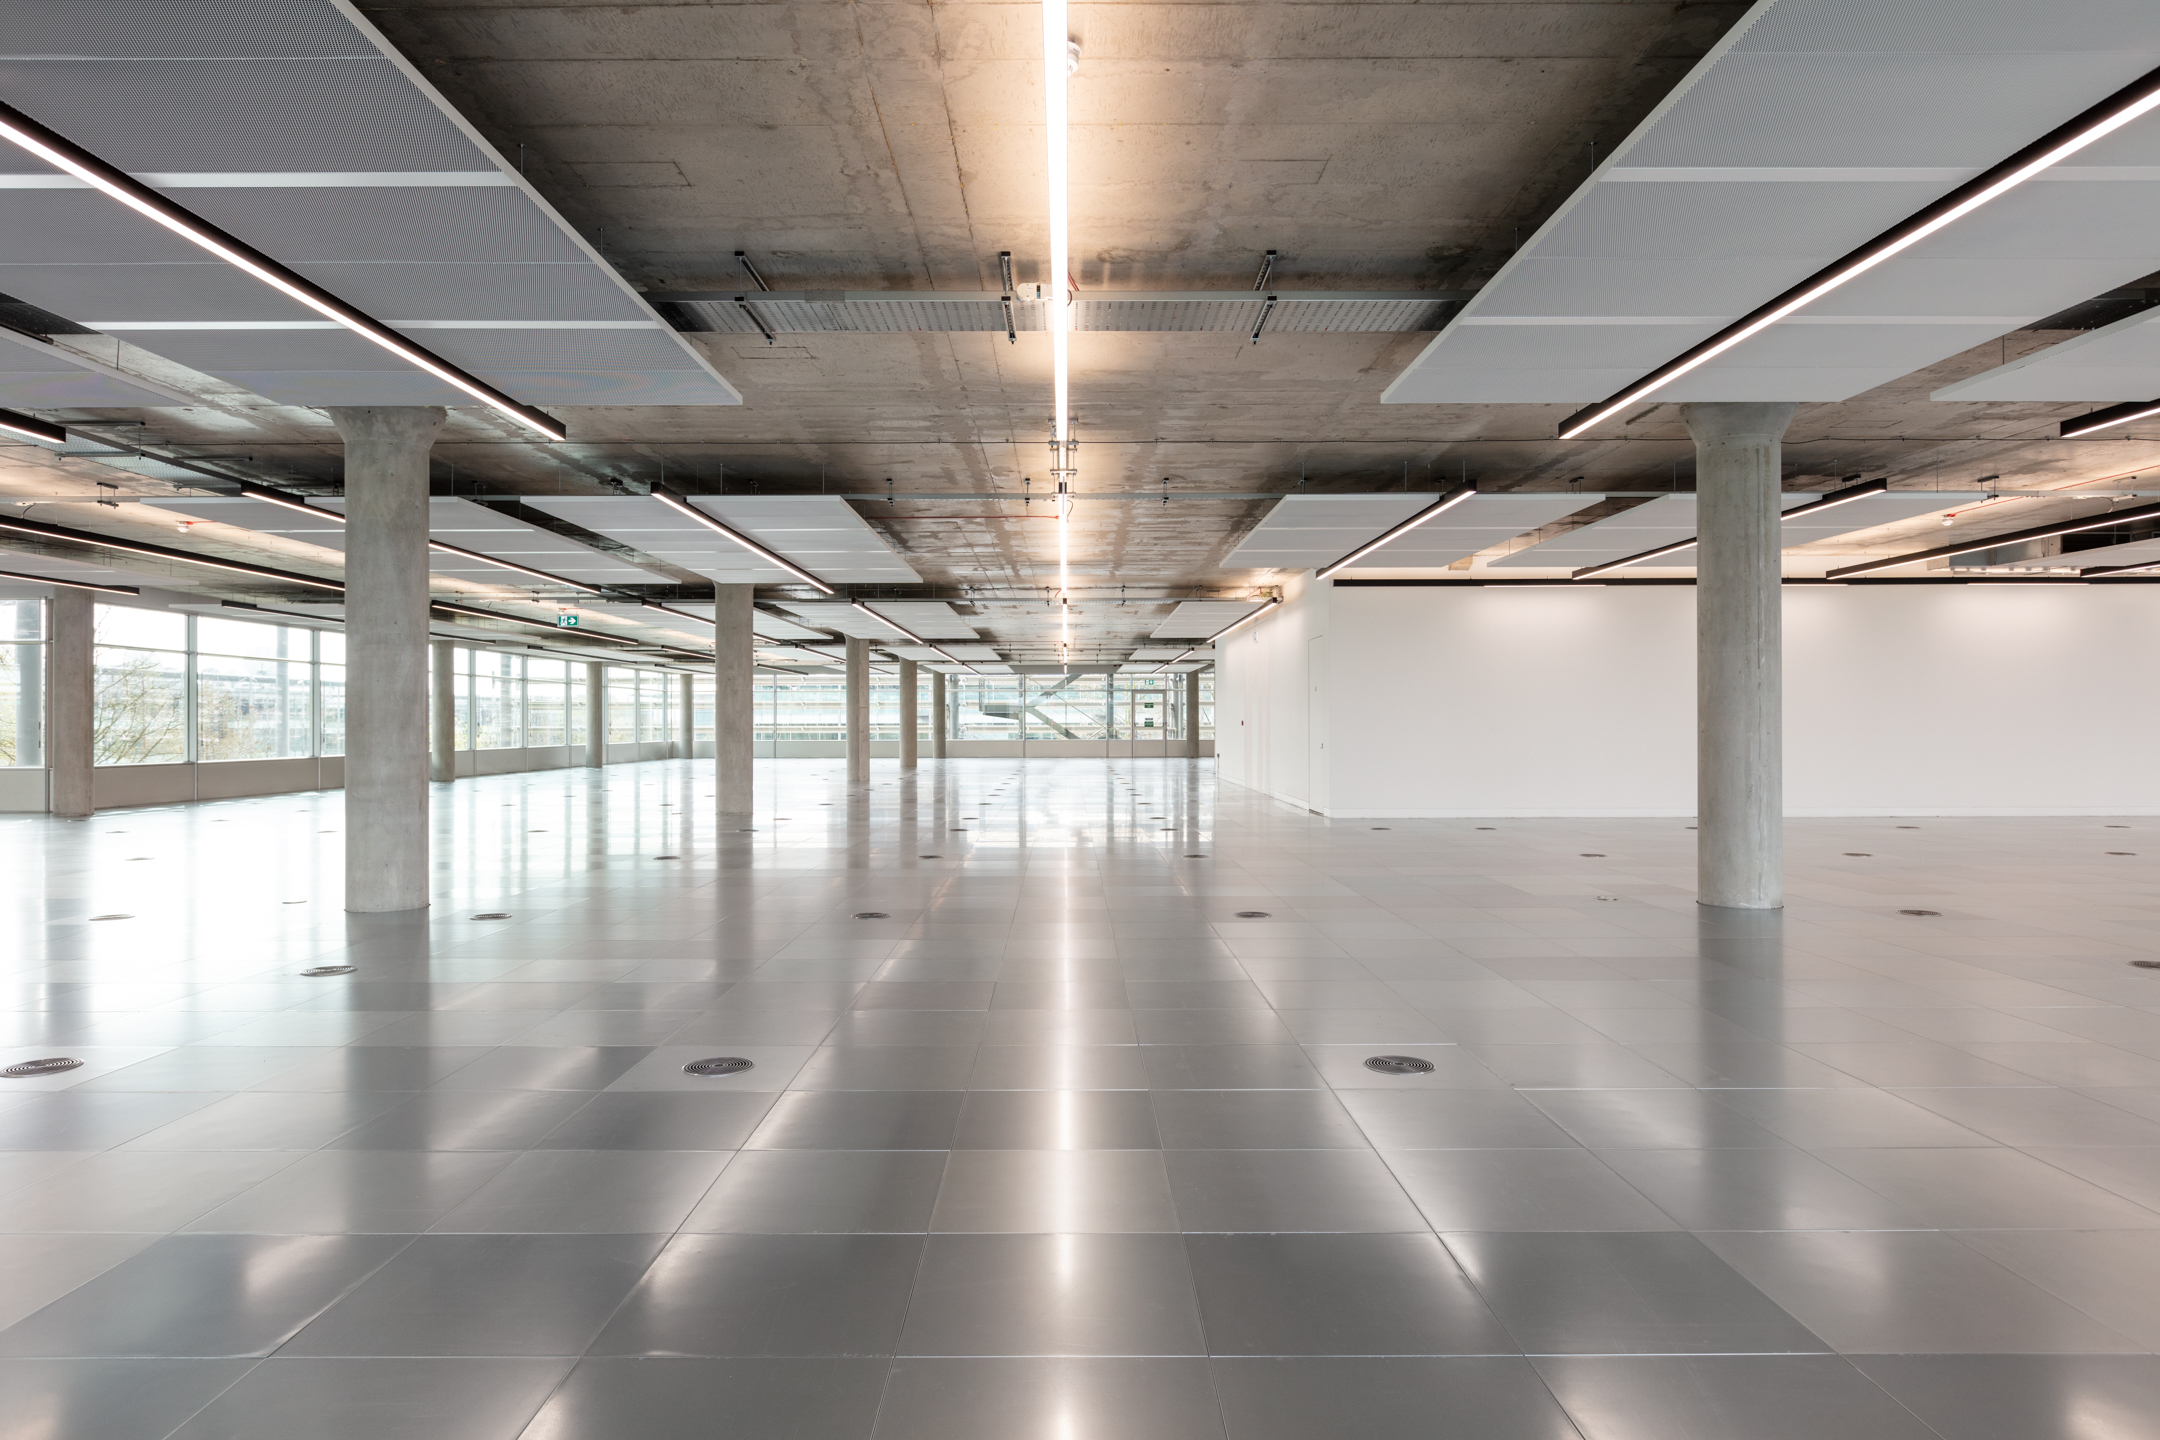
566 622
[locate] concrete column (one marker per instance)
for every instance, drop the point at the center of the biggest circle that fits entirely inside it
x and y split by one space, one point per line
1192 714
1739 656
686 718
734 703
909 719
442 714
937 715
70 701
386 653
858 711
595 714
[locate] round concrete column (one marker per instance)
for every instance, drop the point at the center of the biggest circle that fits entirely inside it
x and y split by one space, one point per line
71 702
909 717
386 653
595 714
442 714
937 715
858 711
734 701
1739 654
686 718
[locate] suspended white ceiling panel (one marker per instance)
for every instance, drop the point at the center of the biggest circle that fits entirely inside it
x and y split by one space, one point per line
452 521
1198 619
2137 552
847 620
928 619
1811 128
1857 515
296 127
39 567
1662 521
1160 653
1305 532
846 550
2113 363
35 375
821 533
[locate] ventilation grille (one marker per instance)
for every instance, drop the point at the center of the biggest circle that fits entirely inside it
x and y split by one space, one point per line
812 312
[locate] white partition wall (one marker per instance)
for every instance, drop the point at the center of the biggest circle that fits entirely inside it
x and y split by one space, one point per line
1534 700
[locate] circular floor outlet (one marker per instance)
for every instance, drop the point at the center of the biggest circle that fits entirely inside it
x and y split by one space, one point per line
492 915
31 1069
2146 964
1593 855
717 1065
331 970
1919 912
1197 855
112 917
1488 827
1609 897
929 857
1859 855
1383 827
2122 852
1252 914
667 857
1399 1065
872 915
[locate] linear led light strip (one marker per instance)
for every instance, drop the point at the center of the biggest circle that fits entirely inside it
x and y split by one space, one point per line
89 537
1446 502
682 506
1271 601
2015 537
30 427
70 584
58 151
2107 419
2125 105
1057 60
294 502
926 644
1835 498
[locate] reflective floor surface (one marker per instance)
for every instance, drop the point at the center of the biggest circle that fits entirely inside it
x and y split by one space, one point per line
1059 1126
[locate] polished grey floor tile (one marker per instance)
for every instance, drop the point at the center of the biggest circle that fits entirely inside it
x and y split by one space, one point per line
1211 1027
1666 1119
1910 1293
1288 1190
1255 1120
139 1190
1457 1398
997 1399
335 1192
465 1120
1522 1190
2111 1275
660 1120
1338 1295
1057 1120
1054 1191
1741 1188
887 1067
1452 1120
36 1270
1822 1119
1228 1067
2025 1397
378 1399
860 1120
779 1192
1988 1189
768 1295
1726 1397
203 1295
1623 1294
452 1295
598 1192
55 1399
546 1067
606 1399
2045 1116
1049 1295
90 1120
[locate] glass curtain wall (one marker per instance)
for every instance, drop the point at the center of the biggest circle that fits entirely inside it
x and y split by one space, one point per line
978 707
22 682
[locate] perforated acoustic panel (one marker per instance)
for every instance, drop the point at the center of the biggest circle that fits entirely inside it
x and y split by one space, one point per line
1669 519
1813 127
2116 362
297 128
1305 532
823 534
868 311
35 375
1198 619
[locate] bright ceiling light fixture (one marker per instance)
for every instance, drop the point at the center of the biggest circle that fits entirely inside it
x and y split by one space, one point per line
1268 604
69 584
29 427
2015 537
1445 503
58 151
1829 501
1172 660
2107 419
1060 57
682 506
2138 98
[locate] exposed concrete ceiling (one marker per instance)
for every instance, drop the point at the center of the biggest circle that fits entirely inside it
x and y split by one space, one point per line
896 146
